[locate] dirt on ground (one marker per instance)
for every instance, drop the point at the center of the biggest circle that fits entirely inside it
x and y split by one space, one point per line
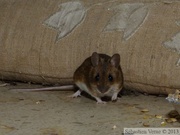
54 113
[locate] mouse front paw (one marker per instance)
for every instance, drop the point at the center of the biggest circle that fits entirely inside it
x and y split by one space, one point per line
99 101
114 97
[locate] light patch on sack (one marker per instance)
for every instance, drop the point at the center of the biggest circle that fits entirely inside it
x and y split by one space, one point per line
174 44
66 19
127 18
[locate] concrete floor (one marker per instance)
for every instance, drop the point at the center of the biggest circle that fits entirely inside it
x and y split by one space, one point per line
53 113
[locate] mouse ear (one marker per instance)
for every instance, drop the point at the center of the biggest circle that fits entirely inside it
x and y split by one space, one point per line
95 59
115 60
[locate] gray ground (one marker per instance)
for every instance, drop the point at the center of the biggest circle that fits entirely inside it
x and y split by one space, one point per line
53 113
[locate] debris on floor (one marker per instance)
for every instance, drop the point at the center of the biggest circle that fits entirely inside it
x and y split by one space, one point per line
54 113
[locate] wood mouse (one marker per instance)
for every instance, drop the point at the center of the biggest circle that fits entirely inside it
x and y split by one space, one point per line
99 75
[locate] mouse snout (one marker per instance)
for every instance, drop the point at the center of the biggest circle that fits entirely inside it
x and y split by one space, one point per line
102 89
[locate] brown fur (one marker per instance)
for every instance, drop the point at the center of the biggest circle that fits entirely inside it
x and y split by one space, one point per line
103 67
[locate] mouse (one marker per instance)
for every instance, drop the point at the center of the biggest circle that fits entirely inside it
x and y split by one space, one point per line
99 75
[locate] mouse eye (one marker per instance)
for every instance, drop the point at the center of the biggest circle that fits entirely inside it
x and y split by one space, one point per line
110 78
97 77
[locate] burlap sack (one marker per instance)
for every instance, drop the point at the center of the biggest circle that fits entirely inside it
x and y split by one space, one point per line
45 41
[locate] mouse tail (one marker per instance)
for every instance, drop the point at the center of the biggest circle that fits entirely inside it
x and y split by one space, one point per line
53 88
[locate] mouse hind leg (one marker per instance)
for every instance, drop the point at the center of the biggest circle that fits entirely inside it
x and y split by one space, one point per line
76 94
